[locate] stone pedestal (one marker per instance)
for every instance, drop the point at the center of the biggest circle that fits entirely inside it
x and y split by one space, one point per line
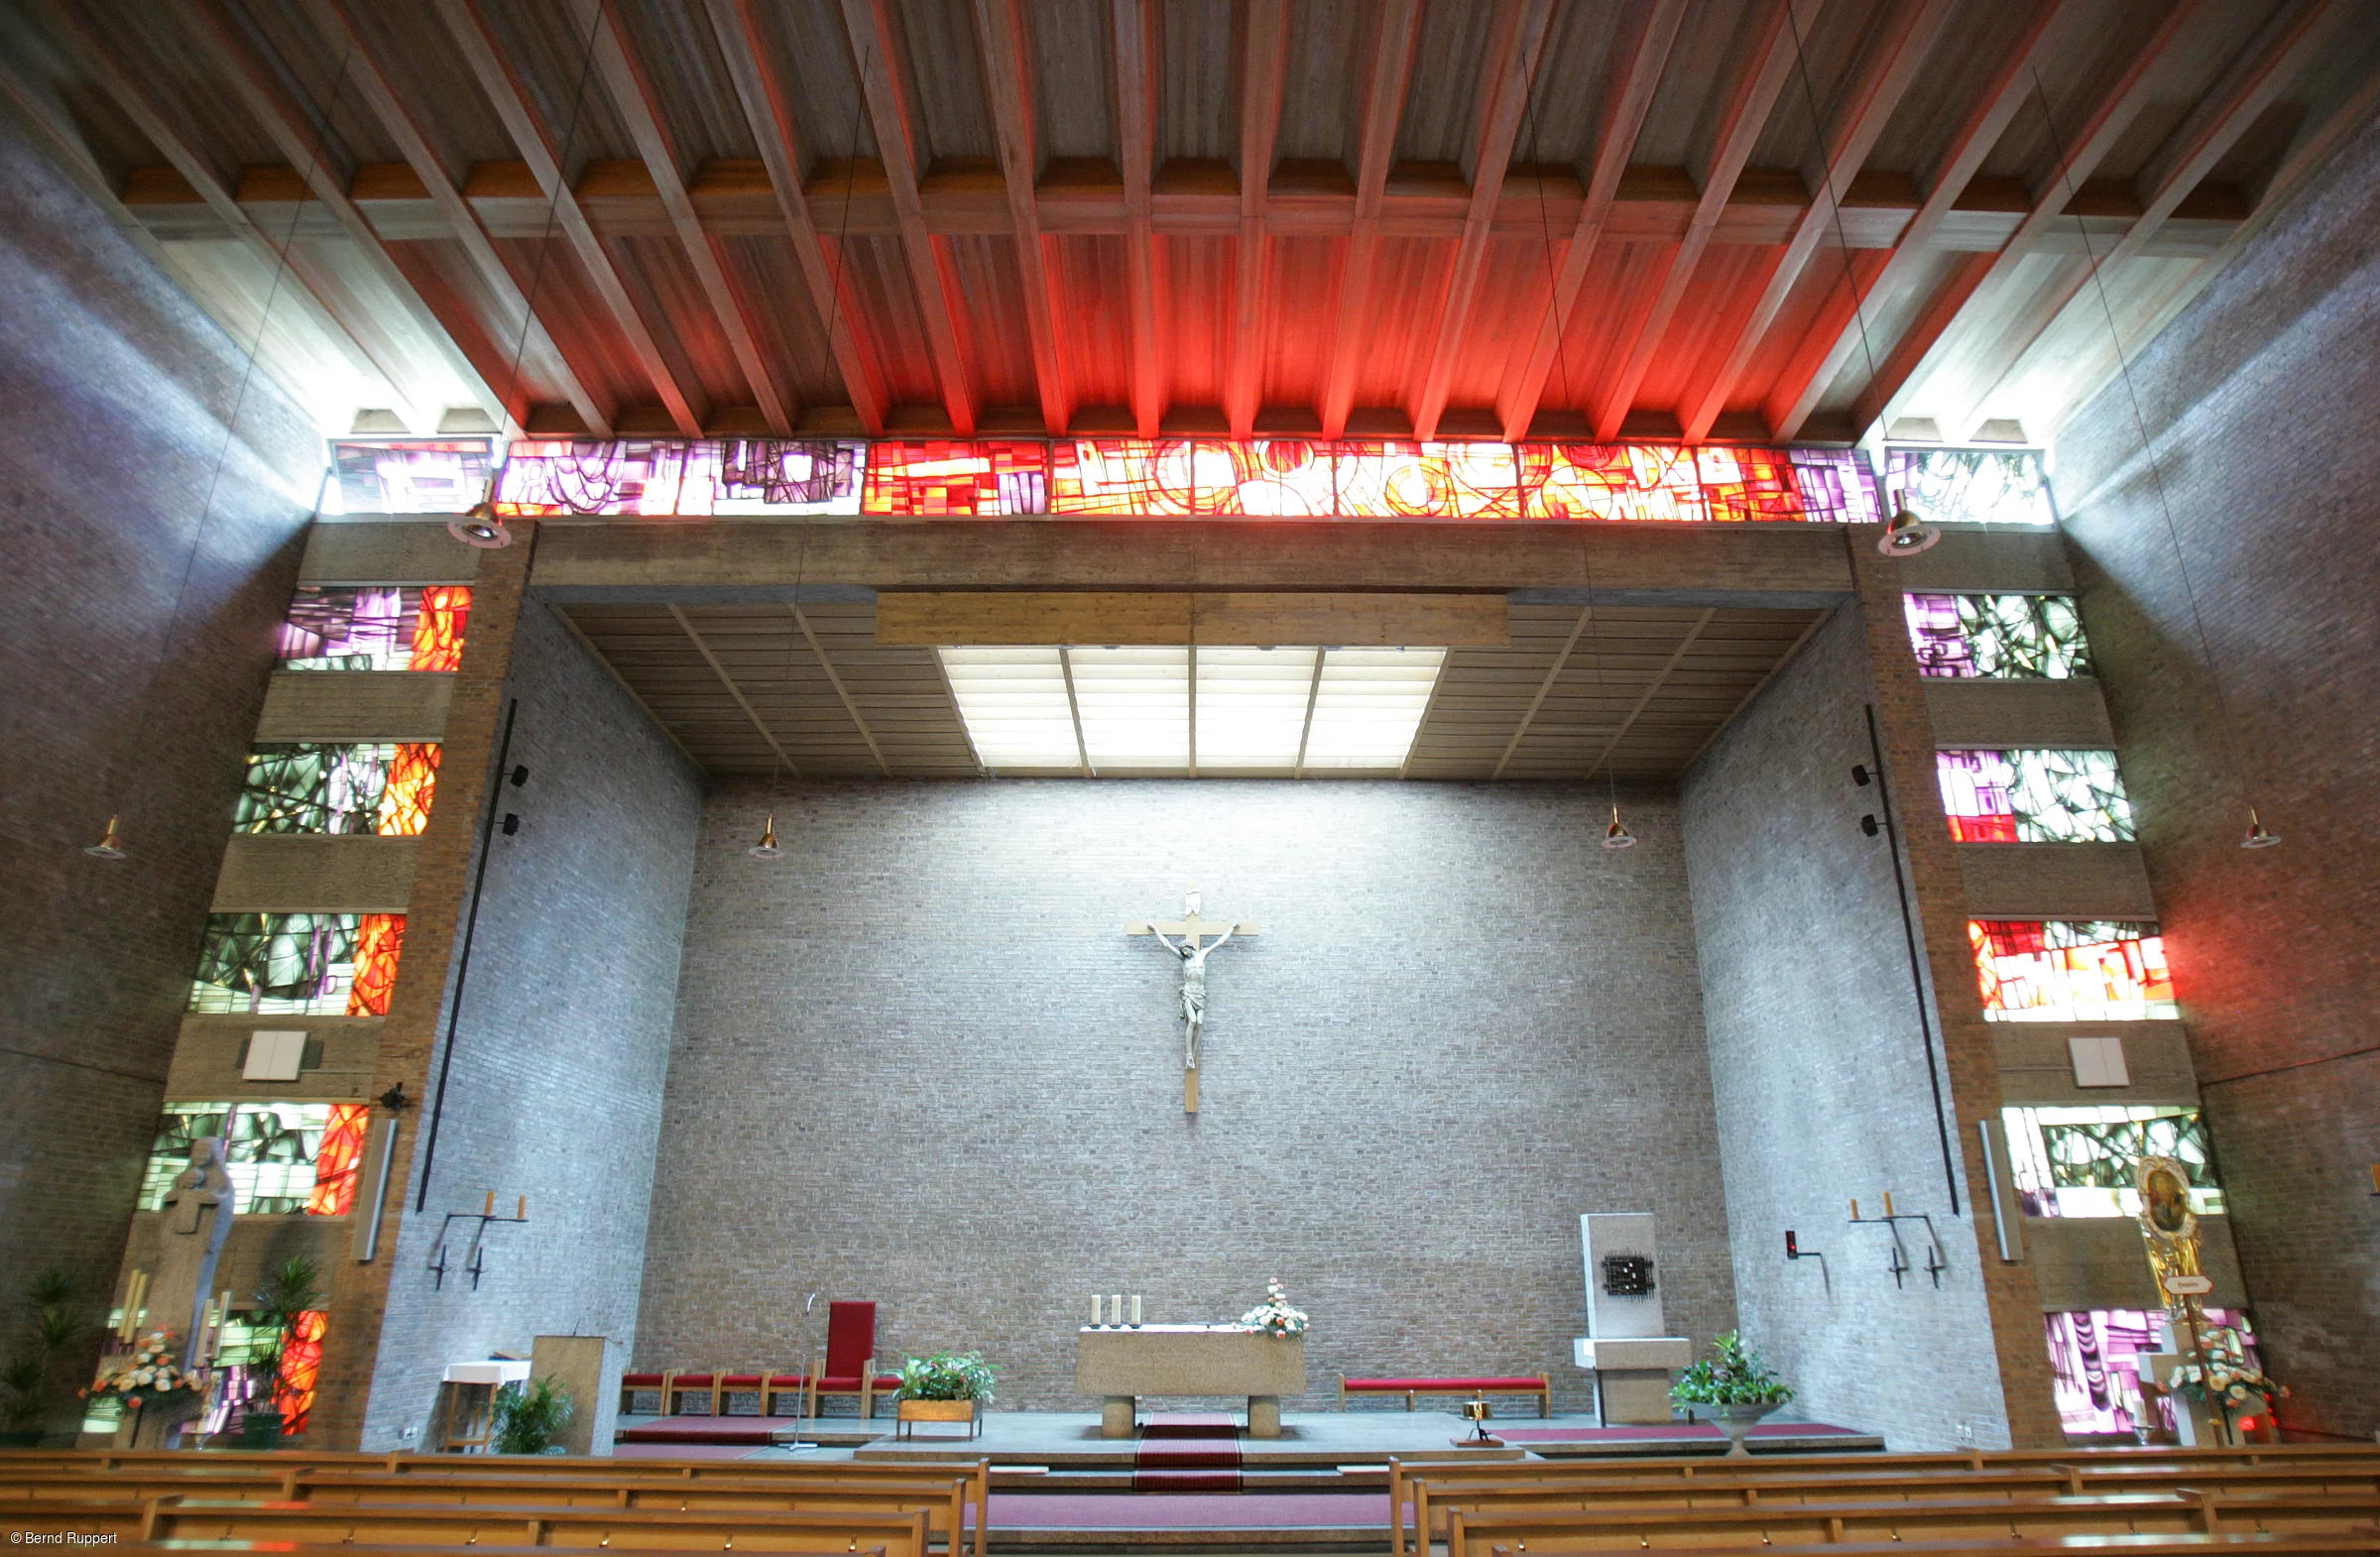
2194 1420
1631 1375
1188 1359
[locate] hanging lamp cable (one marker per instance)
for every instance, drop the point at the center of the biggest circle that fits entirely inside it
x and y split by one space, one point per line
2256 836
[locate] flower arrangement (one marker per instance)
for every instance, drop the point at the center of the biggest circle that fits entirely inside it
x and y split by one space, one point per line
152 1373
1735 1375
2227 1380
1274 1316
947 1376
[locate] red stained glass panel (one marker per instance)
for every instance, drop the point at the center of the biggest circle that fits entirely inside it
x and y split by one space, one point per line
412 784
940 478
301 1370
336 1161
379 938
2064 970
438 627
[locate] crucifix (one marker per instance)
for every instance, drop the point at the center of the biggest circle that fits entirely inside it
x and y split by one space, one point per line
1183 938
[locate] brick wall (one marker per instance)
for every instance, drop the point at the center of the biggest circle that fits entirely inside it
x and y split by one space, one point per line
116 387
2262 402
920 1061
556 1086
1819 1073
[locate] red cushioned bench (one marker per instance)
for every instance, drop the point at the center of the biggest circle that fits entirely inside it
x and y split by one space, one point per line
1537 1384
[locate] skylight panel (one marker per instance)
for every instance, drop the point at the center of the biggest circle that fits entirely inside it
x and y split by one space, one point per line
1251 707
1015 703
1136 707
1369 706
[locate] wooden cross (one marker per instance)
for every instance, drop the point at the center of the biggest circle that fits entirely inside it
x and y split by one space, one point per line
1184 937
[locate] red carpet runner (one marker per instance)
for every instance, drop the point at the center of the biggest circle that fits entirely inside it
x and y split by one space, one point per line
1188 1452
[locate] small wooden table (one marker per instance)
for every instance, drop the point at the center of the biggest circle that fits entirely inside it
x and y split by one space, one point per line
470 1405
1123 1364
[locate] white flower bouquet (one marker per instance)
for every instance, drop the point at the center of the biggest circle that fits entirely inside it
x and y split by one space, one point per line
2226 1380
152 1371
1274 1316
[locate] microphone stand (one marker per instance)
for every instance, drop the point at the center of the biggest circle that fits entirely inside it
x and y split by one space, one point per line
809 1384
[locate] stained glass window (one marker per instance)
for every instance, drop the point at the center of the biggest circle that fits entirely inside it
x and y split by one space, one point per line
1121 476
384 788
297 964
2083 1161
2072 969
418 476
1836 486
932 478
682 476
282 1157
2095 1363
2034 795
2032 637
374 628
301 1368
1970 485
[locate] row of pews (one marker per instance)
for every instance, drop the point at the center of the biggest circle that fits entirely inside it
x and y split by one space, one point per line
411 1501
2266 1498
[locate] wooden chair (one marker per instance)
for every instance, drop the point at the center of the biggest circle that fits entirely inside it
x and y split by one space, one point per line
850 1358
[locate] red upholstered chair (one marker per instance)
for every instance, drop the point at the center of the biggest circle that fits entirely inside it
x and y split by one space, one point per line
850 1358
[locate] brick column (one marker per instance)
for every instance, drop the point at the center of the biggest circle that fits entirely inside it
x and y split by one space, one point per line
1938 896
410 1032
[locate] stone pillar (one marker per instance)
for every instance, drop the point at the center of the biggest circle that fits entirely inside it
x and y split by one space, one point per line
409 1033
1969 1061
588 1368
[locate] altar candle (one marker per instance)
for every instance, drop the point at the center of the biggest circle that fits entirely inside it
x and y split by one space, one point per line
2376 1178
1854 1210
1888 1202
491 1203
1095 1310
523 1213
1116 1310
1135 1310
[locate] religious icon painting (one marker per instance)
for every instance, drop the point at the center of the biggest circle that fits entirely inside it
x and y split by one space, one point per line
2165 1212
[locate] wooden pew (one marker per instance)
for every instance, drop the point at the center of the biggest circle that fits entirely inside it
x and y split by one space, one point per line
942 1498
1404 1472
210 1468
2180 1514
2092 1545
312 1524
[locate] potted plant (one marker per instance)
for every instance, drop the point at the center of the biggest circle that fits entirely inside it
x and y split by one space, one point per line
287 1295
28 1381
1734 1388
530 1419
946 1387
1274 1317
158 1394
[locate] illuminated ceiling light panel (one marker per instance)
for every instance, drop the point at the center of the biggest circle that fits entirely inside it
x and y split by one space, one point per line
1255 711
1016 706
1369 706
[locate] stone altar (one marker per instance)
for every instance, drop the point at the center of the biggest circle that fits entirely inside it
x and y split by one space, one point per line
1623 1346
1189 1359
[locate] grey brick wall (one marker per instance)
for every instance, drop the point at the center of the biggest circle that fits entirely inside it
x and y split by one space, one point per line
1820 1077
115 387
556 1087
918 1060
2262 402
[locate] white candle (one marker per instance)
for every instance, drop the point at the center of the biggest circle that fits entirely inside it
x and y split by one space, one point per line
1116 1310
1095 1310
1135 1310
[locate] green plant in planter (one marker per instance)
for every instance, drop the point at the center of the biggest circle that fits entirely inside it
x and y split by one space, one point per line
947 1376
288 1293
1735 1375
530 1419
28 1381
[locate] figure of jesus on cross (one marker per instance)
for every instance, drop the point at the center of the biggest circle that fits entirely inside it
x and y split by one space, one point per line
1192 931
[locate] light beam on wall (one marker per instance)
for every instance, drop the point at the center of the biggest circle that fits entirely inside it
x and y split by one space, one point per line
1176 710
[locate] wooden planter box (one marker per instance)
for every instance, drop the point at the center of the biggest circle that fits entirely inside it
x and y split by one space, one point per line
970 1412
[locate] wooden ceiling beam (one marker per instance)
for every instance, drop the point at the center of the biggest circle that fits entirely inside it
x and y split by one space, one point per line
1898 46
632 93
1545 687
1519 41
685 623
1660 676
876 56
999 32
1135 29
332 20
835 681
768 111
490 63
1922 347
1398 34
345 313
1627 99
2257 77
1841 330
1263 74
1750 98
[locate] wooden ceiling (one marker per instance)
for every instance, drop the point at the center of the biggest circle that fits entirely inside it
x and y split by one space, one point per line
1400 217
747 688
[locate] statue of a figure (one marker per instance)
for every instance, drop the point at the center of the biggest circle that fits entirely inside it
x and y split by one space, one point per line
190 1236
1194 985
